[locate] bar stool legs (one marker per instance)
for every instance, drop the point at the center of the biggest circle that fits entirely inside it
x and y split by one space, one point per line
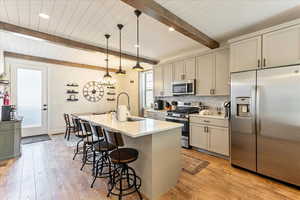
124 181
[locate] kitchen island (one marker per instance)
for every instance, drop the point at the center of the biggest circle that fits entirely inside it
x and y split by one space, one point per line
158 143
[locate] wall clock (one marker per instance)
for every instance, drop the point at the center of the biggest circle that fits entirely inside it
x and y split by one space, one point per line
93 91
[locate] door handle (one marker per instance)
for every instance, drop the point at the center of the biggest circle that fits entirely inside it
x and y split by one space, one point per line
265 62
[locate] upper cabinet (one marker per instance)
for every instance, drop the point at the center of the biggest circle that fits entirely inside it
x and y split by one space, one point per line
190 69
205 74
178 71
222 73
212 74
245 55
281 47
272 47
158 81
184 70
167 79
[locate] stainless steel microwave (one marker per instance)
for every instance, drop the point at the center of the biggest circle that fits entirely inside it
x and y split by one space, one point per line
186 87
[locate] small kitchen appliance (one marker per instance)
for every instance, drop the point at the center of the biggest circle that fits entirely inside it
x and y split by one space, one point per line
186 87
158 104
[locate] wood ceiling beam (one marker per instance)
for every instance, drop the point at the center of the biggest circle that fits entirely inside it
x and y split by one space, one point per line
68 42
54 61
156 11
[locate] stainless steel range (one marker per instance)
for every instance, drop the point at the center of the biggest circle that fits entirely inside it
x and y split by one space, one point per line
181 115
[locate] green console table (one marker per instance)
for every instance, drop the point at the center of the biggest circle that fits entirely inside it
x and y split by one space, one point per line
10 139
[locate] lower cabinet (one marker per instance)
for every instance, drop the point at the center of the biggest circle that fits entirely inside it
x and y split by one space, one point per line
210 138
218 140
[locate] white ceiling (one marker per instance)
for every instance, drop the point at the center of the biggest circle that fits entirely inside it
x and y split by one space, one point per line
88 21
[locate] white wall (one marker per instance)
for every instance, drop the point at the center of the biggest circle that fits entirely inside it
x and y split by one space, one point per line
58 77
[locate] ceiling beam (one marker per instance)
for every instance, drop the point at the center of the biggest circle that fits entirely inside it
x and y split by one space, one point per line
68 42
156 11
54 61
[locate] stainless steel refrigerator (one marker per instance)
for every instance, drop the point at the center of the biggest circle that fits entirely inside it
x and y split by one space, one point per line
265 122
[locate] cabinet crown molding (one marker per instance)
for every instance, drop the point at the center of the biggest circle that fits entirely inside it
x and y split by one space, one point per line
266 30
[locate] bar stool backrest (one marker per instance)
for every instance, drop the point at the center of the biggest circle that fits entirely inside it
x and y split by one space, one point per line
67 120
114 138
86 130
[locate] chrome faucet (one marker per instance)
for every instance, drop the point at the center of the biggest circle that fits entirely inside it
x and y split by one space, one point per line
128 102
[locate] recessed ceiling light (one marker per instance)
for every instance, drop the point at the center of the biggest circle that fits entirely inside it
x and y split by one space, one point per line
43 15
171 29
137 46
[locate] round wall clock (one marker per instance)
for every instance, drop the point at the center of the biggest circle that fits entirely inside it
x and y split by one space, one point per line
93 91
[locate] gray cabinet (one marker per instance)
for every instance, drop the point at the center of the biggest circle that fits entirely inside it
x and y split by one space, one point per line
10 139
184 70
212 74
205 74
210 134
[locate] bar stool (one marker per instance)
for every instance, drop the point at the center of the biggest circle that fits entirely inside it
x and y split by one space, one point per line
88 144
121 157
79 134
102 168
69 126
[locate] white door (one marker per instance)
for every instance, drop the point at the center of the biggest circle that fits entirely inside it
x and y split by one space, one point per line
29 93
205 75
281 47
245 55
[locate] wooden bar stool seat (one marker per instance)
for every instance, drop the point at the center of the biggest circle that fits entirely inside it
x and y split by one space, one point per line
124 155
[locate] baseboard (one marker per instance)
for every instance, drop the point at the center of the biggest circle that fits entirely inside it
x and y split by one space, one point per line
56 131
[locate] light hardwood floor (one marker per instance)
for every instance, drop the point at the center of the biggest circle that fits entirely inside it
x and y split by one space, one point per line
46 171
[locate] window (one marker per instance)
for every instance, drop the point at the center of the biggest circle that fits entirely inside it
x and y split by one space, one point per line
147 88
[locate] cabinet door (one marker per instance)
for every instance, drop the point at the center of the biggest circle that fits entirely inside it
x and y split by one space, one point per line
281 47
245 55
198 136
167 79
158 81
190 69
222 73
178 71
205 74
219 140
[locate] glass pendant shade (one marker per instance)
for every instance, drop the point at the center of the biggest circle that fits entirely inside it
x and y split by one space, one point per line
137 67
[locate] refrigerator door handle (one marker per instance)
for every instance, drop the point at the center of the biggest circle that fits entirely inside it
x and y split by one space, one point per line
253 108
258 122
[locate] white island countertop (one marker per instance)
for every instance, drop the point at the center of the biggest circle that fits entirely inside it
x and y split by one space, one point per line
133 129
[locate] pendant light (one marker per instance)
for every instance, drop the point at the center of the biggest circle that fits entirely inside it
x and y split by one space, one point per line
137 67
107 77
120 71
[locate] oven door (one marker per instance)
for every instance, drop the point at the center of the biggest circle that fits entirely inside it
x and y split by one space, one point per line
185 134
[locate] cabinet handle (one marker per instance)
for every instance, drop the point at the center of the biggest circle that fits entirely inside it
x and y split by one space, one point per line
212 91
265 62
206 121
258 63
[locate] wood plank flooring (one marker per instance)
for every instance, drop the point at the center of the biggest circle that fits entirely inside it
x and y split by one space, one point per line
46 171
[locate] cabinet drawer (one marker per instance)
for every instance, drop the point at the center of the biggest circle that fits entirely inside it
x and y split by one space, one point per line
209 121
